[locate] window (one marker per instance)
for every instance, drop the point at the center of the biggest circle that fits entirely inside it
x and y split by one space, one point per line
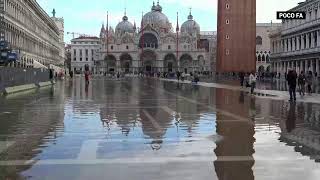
80 52
227 52
227 37
112 47
87 52
227 6
169 47
80 59
258 40
74 52
87 59
127 47
74 59
227 21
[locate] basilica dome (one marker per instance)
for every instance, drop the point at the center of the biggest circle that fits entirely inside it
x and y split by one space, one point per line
190 26
125 26
155 18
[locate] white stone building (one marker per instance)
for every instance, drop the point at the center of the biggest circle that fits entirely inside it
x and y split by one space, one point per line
30 32
263 46
154 47
60 24
84 51
297 43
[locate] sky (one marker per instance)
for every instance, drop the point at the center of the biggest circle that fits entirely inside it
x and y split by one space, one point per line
87 16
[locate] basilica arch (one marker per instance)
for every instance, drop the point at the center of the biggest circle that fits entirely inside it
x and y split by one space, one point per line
110 63
126 62
149 40
170 63
186 63
148 60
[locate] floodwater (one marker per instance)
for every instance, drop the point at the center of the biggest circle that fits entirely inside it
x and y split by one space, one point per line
148 129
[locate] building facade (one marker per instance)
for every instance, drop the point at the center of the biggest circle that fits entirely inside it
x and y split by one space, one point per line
30 32
296 44
236 36
154 47
84 51
60 24
263 47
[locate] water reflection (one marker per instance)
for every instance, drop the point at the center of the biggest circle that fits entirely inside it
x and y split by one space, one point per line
152 122
301 129
235 152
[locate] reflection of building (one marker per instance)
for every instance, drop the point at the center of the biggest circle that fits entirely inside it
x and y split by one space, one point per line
263 46
154 47
31 32
84 52
236 36
301 129
235 152
297 43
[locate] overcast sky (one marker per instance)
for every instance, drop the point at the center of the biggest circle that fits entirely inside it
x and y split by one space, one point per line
86 16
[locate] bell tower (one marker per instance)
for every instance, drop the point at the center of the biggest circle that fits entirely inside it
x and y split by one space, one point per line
236 50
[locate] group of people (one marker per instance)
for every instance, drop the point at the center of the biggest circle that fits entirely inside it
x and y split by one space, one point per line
248 79
195 77
304 81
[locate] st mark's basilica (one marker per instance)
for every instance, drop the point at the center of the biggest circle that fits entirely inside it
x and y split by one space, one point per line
154 47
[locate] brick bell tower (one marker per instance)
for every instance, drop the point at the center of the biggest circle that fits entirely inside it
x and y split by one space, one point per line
236 50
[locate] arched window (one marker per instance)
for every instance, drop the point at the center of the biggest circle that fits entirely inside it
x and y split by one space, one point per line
259 40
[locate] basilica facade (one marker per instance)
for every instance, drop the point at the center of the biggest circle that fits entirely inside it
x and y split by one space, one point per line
154 47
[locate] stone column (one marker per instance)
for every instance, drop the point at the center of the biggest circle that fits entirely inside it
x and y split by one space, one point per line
306 65
297 43
289 44
317 66
307 40
302 42
318 38
312 40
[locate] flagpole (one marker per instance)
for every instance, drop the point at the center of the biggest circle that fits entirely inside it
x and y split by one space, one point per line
177 32
142 39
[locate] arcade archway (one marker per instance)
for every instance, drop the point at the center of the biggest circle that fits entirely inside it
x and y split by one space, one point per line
148 60
126 63
186 63
170 63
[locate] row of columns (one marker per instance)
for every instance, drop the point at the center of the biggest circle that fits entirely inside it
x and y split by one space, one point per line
298 42
312 65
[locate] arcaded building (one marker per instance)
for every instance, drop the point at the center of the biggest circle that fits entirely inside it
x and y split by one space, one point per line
154 47
236 36
296 44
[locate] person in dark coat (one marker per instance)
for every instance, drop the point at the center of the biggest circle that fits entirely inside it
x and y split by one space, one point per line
292 83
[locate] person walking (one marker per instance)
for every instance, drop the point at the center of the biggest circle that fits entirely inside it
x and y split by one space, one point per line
178 75
292 83
86 76
309 79
252 81
302 83
241 79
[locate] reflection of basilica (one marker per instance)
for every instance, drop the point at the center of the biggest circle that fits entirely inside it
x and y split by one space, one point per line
154 47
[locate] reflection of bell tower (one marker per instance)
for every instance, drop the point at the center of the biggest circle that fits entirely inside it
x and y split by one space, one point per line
236 36
235 152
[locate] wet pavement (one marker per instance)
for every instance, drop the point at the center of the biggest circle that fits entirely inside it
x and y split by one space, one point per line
150 129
